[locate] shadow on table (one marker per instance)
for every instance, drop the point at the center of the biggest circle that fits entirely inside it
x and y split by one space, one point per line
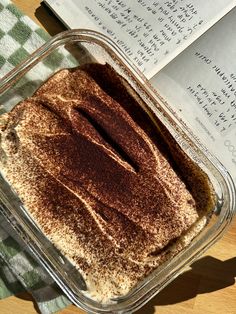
51 23
206 275
28 297
43 295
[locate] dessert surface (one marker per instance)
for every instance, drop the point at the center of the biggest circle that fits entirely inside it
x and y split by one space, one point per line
99 180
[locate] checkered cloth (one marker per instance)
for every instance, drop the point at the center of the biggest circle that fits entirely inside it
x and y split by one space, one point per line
19 37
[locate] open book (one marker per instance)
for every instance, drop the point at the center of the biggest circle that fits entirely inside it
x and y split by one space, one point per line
187 49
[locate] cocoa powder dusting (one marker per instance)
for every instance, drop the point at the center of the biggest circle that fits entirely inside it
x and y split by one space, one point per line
99 179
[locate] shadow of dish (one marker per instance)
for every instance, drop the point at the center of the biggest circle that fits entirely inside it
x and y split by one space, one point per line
206 275
28 297
49 21
36 294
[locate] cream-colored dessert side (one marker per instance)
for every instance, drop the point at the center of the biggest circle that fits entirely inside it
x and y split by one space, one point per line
97 183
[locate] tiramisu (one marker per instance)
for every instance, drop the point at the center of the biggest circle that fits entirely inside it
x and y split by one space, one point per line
104 182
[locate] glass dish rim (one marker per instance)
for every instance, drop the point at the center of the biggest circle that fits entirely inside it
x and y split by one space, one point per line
103 40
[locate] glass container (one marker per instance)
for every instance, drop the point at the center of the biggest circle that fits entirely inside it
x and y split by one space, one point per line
78 47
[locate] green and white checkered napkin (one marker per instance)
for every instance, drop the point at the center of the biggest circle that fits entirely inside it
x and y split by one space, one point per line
19 37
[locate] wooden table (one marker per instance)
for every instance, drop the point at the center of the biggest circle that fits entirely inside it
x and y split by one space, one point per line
209 288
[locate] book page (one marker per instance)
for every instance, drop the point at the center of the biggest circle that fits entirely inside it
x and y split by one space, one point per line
200 84
151 33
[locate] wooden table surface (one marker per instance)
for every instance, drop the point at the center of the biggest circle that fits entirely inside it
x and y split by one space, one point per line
208 288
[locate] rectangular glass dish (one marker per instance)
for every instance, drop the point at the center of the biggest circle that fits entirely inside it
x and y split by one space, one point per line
80 47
